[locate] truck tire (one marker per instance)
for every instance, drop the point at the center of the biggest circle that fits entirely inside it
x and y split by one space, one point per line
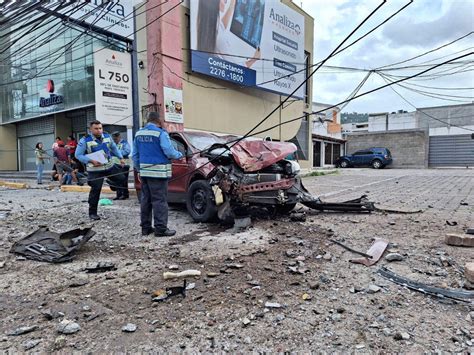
200 201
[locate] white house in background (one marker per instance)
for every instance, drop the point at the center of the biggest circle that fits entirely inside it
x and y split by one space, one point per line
328 144
354 127
392 121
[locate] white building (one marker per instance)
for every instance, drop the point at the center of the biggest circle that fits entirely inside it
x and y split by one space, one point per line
328 144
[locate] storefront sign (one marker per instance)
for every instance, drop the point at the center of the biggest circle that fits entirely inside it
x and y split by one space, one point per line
113 87
173 105
114 16
257 43
53 99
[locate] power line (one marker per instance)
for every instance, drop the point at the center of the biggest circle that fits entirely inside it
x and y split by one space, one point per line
388 81
428 52
102 48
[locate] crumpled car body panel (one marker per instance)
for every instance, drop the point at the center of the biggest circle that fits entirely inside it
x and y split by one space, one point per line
254 155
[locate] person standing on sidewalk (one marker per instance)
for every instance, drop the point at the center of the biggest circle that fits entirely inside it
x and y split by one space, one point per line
41 156
61 160
152 151
124 148
99 142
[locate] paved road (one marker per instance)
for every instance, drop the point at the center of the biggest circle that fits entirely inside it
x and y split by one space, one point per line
444 190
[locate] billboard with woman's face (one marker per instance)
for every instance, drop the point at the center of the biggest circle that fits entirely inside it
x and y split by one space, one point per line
255 43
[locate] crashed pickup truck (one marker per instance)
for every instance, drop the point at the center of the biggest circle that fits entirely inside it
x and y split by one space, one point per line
220 178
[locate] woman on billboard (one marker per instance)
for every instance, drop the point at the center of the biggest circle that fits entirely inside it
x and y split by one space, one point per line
215 28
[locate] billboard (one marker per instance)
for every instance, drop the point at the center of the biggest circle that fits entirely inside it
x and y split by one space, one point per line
114 16
255 43
113 87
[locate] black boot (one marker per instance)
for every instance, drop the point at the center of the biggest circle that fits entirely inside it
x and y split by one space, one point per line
164 232
94 216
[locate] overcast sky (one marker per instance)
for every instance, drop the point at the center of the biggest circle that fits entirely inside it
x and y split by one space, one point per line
422 26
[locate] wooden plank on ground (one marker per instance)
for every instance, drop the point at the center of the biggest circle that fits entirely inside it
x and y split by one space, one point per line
14 185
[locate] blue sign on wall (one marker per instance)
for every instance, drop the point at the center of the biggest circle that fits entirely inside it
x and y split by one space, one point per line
216 67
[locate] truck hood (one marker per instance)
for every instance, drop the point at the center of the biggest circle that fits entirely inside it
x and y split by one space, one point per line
254 155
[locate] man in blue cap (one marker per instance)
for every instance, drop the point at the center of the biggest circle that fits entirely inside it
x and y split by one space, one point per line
152 151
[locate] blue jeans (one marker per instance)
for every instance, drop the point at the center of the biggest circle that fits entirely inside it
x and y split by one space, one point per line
39 173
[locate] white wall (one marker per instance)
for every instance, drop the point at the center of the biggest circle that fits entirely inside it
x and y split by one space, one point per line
445 131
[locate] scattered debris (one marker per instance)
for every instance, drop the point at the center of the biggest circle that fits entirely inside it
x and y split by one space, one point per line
298 217
460 240
376 251
68 327
101 266
306 297
105 202
173 267
23 330
44 245
272 305
182 274
30 344
457 295
129 328
361 204
398 210
394 257
469 272
470 231
351 250
373 288
464 203
401 336
78 282
452 224
161 295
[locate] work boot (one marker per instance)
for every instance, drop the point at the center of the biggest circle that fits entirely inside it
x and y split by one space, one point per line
164 232
94 216
147 231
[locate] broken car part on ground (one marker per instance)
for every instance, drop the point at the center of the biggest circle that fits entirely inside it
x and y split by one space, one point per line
44 245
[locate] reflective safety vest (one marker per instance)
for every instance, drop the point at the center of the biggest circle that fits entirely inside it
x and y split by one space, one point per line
96 145
153 161
126 159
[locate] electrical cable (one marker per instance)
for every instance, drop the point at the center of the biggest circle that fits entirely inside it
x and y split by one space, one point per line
105 47
388 81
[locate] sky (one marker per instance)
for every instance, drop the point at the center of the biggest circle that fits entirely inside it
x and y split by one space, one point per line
422 26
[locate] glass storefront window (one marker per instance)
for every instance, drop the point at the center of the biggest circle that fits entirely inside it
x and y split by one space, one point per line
39 75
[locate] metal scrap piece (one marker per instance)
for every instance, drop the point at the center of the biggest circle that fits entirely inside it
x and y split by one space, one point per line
376 251
361 204
457 295
44 245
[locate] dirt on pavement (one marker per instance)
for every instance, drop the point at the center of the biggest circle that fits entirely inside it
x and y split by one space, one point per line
278 286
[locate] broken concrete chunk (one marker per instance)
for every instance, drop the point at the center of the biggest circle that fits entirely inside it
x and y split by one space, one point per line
394 257
469 272
30 344
129 328
373 289
460 240
68 327
401 336
23 330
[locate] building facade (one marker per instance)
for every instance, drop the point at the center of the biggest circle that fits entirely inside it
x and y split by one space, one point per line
47 85
176 71
328 144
